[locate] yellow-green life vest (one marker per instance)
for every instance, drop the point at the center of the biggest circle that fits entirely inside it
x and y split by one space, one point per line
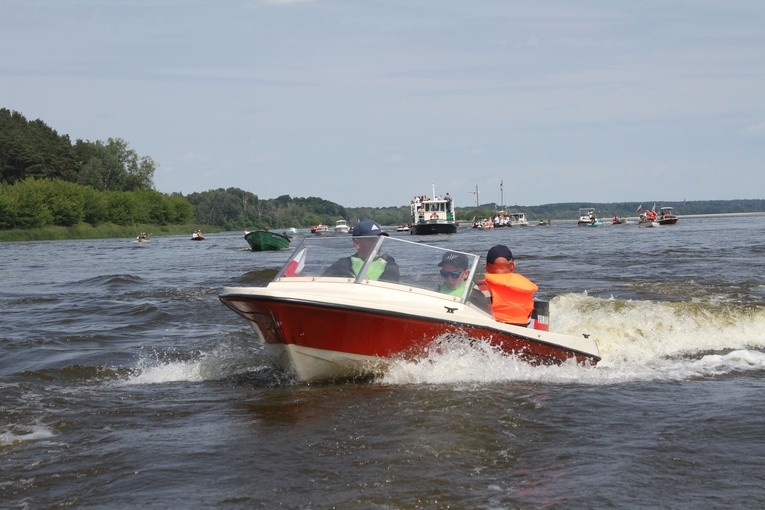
375 270
457 291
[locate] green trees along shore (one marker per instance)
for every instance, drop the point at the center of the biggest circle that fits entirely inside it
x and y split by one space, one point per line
51 188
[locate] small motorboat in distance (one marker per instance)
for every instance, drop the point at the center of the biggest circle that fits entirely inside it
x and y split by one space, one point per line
320 230
648 219
518 219
142 237
330 328
197 236
588 218
341 227
666 216
264 240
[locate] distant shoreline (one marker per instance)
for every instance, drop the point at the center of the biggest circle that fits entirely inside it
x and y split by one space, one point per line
720 214
104 231
695 216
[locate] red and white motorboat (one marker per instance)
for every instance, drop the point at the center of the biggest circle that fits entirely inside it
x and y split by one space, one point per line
666 216
327 328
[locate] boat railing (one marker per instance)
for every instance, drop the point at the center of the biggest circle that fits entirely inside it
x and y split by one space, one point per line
417 264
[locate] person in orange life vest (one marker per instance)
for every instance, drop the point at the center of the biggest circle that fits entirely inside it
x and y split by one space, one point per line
512 294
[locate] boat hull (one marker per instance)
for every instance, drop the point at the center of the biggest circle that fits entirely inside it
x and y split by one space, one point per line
322 342
668 221
424 229
261 240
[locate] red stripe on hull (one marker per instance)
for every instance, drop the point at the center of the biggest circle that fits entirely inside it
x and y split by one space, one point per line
374 334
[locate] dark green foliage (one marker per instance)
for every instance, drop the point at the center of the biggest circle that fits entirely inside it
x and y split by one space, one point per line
236 209
38 203
179 209
65 201
95 206
28 202
32 149
46 181
7 209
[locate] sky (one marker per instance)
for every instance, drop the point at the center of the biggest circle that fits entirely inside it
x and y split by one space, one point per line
370 102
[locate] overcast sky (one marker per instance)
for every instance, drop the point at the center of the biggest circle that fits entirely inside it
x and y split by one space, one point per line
366 103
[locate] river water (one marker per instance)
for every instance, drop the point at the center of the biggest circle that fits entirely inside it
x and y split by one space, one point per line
125 383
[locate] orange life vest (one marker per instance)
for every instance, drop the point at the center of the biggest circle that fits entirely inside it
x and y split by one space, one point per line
512 297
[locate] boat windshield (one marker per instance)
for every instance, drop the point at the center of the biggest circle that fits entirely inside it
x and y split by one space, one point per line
417 263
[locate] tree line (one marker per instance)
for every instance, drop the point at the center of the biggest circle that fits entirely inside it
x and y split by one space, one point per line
570 210
236 209
38 203
47 180
32 149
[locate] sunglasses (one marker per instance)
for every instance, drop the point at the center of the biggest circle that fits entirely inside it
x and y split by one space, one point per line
451 274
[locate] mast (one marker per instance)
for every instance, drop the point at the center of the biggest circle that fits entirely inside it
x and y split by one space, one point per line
502 194
476 192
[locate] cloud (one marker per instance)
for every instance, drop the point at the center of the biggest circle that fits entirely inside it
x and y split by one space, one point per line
755 130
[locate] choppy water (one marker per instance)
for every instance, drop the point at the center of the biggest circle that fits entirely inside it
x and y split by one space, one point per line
124 383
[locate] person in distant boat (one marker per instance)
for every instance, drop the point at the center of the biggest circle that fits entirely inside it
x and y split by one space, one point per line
511 294
383 267
455 270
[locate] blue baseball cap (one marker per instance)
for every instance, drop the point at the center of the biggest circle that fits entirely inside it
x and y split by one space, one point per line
367 228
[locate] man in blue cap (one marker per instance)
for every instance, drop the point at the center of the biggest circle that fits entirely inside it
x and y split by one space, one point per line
365 236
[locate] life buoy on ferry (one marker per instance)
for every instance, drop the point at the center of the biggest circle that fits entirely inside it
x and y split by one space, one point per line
434 216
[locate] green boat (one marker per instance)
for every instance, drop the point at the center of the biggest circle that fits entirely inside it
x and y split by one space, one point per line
263 240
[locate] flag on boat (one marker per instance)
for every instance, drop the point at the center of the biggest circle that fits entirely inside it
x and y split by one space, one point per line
296 265
640 208
653 208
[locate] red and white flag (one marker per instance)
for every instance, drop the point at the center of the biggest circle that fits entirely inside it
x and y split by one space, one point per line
296 265
640 208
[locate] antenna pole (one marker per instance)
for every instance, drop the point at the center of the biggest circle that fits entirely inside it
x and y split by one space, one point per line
476 192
